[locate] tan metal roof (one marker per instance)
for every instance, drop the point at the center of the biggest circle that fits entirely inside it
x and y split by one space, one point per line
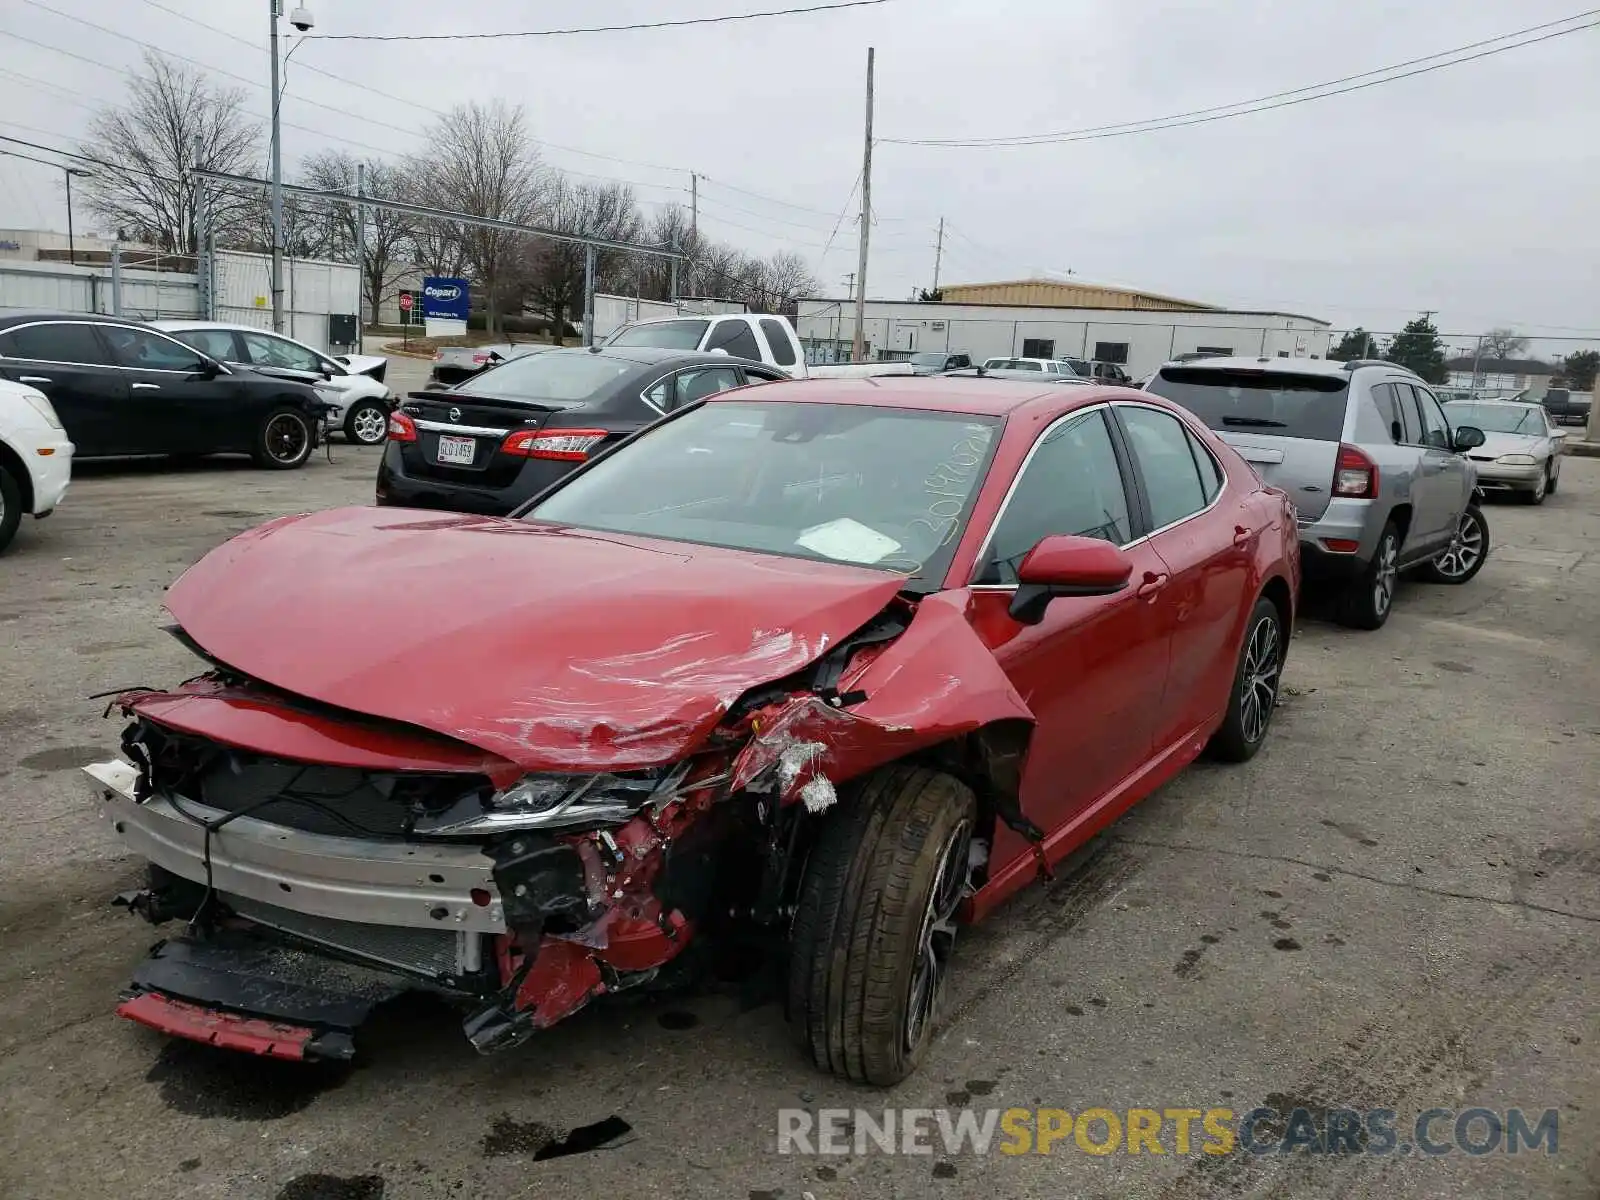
1054 293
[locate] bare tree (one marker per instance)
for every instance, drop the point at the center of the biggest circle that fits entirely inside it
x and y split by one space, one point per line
480 160
776 284
389 233
143 148
1502 344
554 271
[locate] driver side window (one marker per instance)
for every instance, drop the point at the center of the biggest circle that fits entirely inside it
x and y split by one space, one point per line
1071 484
268 351
1435 428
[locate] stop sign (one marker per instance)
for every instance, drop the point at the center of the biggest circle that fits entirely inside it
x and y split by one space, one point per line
405 301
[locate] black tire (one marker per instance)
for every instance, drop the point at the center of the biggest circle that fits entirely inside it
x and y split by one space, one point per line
10 508
367 423
1368 600
1448 566
1256 681
1555 478
869 919
284 441
1540 490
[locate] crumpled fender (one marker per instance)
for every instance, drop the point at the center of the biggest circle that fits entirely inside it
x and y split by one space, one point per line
935 682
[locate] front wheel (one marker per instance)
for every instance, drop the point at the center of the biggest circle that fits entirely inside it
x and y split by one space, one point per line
875 924
284 440
10 507
1255 686
1539 490
367 423
1554 472
1467 551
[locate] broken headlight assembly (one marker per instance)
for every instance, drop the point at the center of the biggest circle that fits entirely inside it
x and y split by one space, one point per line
549 801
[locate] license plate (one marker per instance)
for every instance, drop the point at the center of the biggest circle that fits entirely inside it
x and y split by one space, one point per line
458 451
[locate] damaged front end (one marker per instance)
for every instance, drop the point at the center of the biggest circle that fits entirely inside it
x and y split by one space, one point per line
324 862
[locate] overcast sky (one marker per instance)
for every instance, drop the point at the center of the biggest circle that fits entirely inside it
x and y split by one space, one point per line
1472 190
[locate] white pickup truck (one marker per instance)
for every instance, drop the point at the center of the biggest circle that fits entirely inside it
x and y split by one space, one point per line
761 337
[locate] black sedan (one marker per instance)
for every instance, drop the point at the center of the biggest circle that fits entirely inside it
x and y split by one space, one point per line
488 444
124 388
457 364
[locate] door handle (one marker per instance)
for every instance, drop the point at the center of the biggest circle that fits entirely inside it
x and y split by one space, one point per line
1152 584
33 379
146 387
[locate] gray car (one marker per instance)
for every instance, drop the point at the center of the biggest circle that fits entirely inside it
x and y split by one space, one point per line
1378 475
1522 451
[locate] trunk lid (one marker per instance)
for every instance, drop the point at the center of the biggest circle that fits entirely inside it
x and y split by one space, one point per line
479 422
1299 466
549 646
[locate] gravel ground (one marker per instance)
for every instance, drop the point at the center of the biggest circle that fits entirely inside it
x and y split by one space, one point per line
1393 906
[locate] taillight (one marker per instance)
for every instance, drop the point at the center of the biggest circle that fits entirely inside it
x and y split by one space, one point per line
402 428
479 359
1355 476
437 355
569 445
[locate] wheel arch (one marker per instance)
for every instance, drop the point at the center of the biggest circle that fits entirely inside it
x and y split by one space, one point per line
13 462
1400 516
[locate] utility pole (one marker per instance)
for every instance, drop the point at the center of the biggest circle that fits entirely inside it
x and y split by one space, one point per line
672 282
275 9
1477 360
588 294
694 227
361 253
850 286
858 350
938 254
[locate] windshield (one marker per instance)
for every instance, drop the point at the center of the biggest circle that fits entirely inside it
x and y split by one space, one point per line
880 487
563 379
928 360
1497 418
665 335
1279 403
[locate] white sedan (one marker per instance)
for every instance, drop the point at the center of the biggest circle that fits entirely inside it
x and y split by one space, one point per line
35 457
353 382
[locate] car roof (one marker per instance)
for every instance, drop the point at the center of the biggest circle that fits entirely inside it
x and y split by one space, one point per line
173 326
8 320
974 395
652 356
1499 403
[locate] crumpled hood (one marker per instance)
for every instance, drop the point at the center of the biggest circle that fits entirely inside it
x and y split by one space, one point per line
556 648
360 364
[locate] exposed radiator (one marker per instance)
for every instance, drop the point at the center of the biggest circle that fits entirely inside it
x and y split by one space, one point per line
434 953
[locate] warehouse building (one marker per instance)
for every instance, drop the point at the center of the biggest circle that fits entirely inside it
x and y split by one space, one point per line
1046 318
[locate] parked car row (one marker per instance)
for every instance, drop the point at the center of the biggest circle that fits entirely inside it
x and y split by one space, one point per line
837 665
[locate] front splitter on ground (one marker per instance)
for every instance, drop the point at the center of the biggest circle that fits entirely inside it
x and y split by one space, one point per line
244 993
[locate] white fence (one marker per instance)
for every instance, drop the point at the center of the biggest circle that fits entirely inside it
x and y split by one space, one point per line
312 290
241 289
62 287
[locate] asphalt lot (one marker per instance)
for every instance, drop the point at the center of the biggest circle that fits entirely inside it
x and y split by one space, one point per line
1395 905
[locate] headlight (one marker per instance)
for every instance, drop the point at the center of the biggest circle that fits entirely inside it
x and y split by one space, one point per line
555 802
43 407
1517 460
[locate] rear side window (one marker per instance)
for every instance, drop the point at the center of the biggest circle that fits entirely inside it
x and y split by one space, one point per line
734 337
778 339
1389 427
57 342
1161 446
1210 472
218 343
1279 403
148 351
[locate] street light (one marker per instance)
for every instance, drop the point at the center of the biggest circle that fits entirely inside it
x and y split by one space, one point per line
302 20
72 249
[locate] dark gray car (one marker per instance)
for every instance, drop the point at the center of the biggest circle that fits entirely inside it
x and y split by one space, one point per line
1378 477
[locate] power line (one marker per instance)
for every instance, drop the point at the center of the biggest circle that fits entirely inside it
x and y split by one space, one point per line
1321 91
542 33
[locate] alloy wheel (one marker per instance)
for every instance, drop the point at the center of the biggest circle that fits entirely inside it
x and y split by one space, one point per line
369 426
286 438
1542 486
938 934
1466 548
1258 690
1386 575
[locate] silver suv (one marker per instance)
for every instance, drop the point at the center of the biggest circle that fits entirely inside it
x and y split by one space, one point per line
1378 477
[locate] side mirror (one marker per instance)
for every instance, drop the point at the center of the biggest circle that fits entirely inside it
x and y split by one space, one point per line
208 369
1468 437
1066 565
342 358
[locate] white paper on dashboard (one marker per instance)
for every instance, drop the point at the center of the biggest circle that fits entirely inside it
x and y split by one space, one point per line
848 541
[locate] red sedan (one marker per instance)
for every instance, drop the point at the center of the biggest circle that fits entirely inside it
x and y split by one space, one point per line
852 661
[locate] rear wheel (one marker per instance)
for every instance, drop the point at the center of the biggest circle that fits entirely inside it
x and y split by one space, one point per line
10 507
367 423
284 440
1255 686
1367 600
873 931
1467 551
